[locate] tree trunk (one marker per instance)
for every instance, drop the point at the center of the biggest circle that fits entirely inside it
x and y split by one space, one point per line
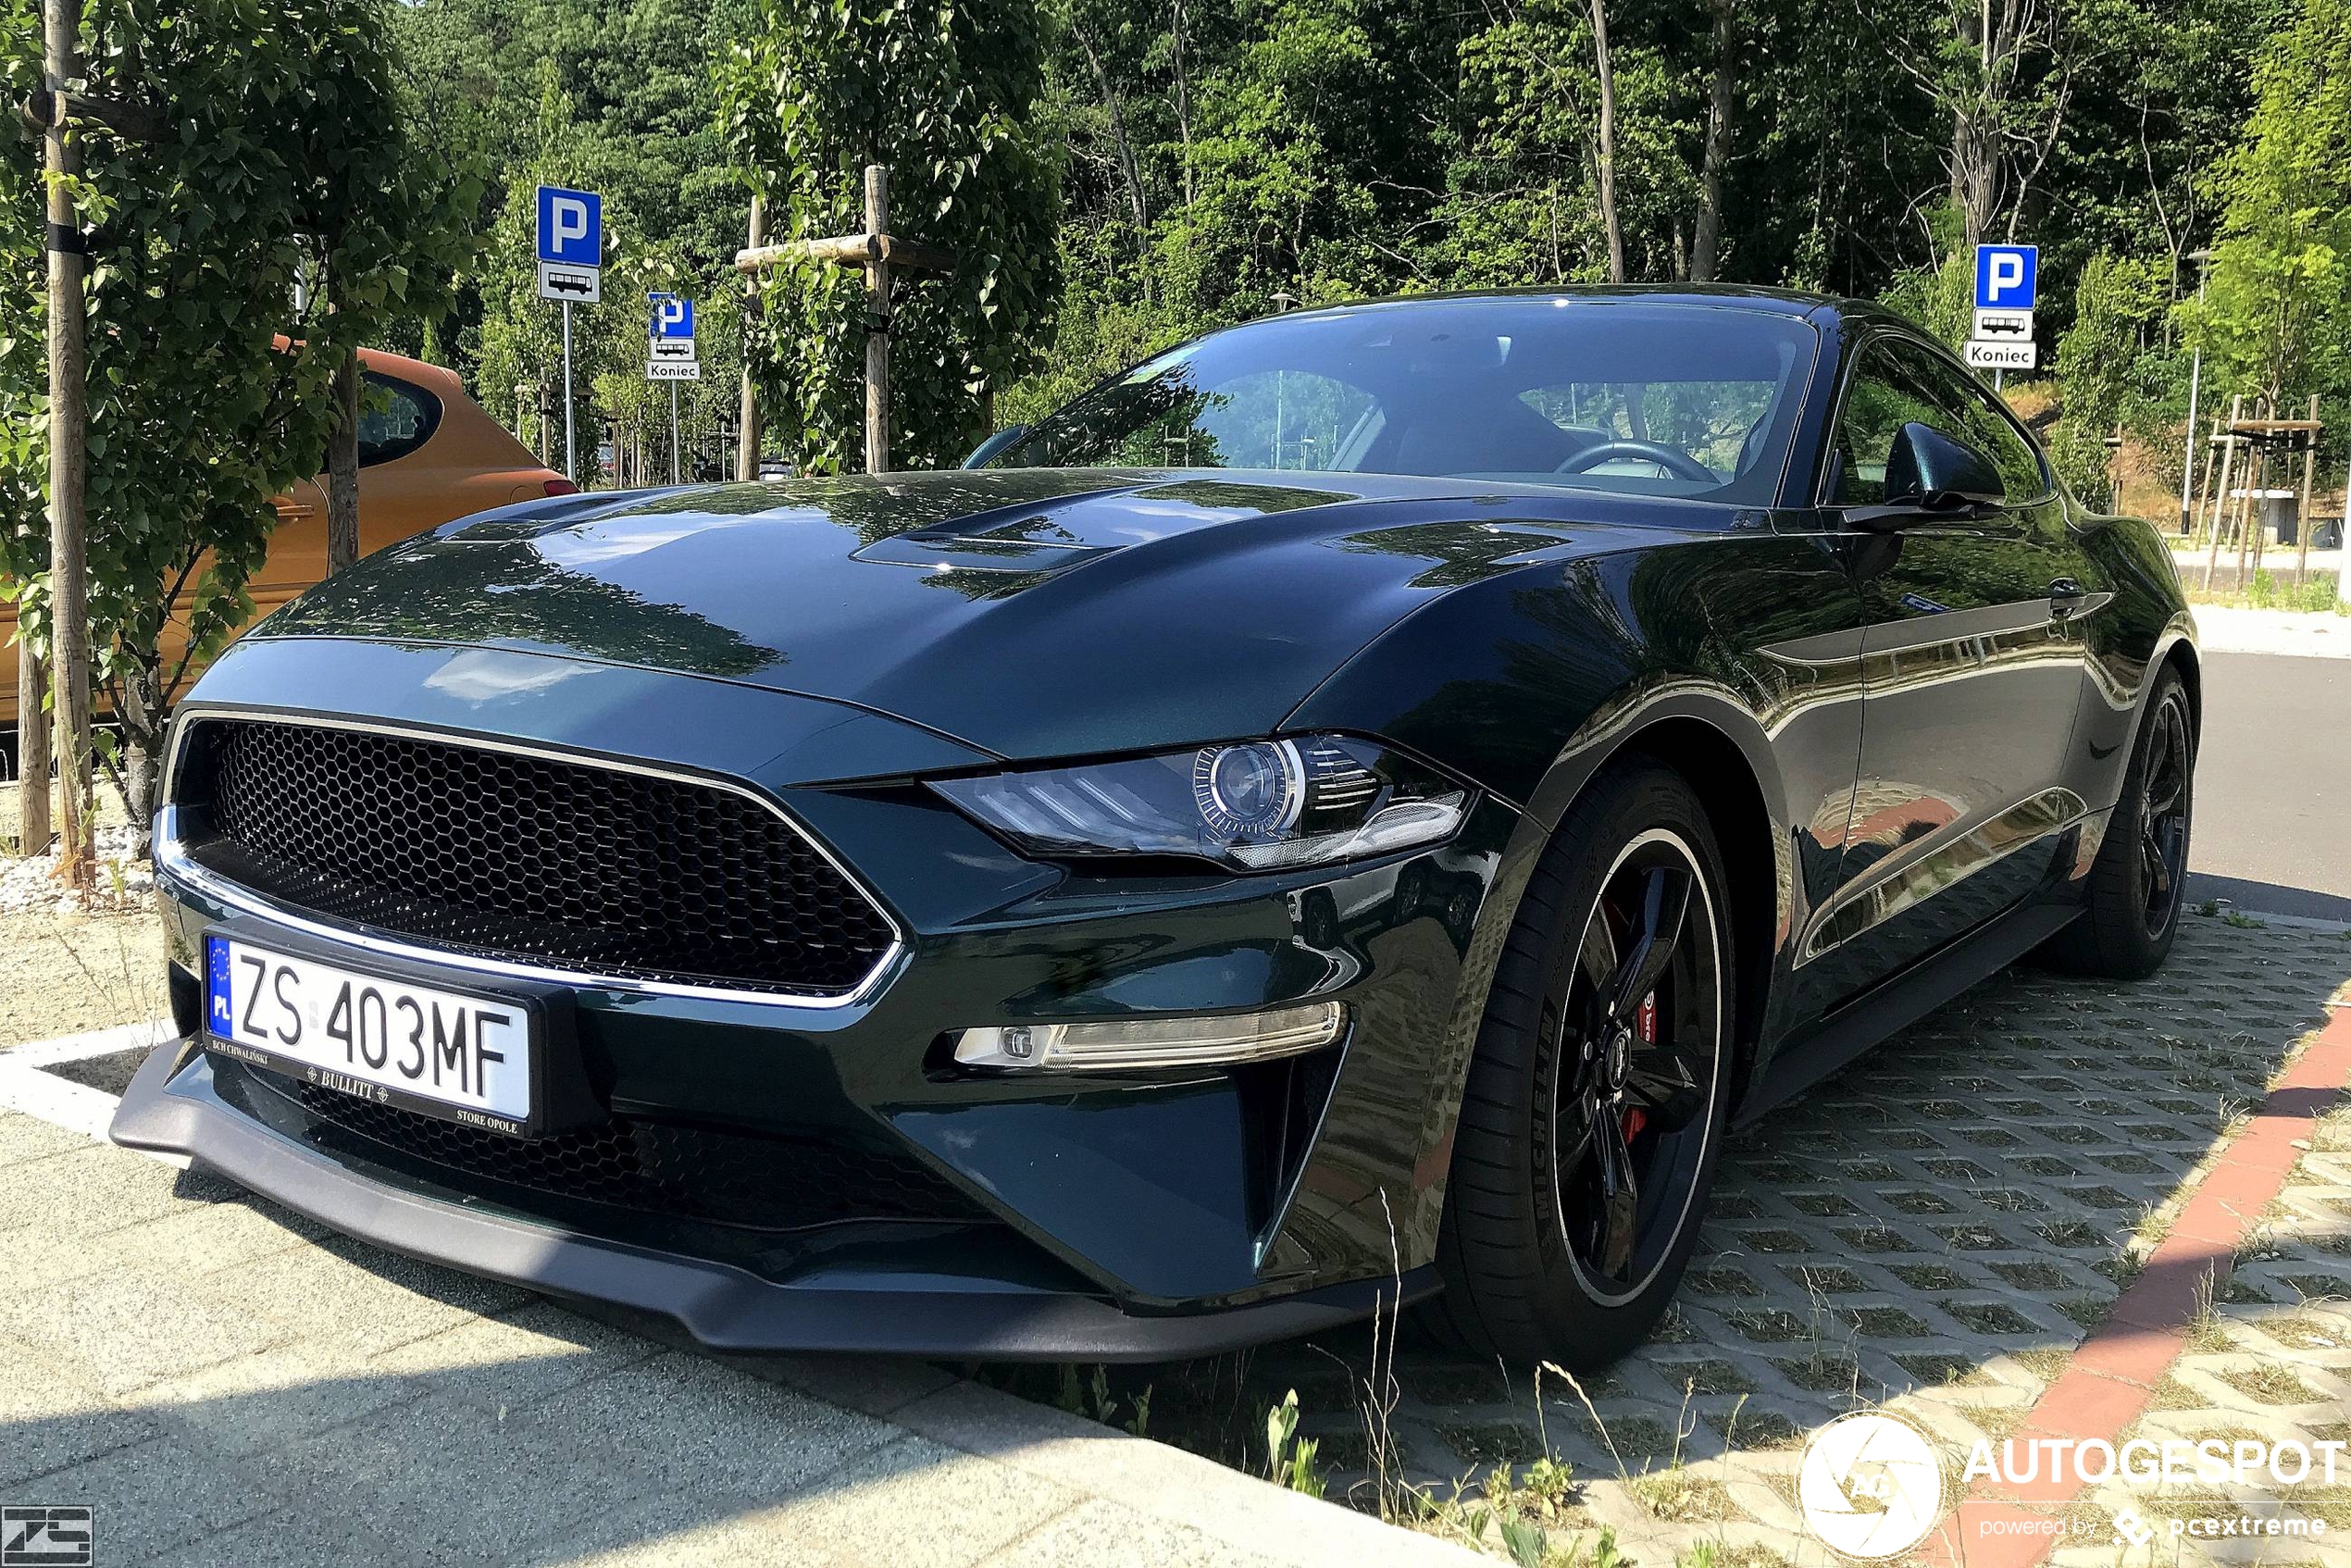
343 468
1127 165
1606 163
1722 96
32 749
1183 96
68 470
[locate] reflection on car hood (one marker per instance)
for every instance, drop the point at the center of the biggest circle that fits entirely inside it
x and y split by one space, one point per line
1029 612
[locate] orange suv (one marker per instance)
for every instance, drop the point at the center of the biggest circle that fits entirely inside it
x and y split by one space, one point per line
427 456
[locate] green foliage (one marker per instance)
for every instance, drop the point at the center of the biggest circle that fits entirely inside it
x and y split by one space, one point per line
2115 370
946 95
24 451
2279 314
614 96
201 414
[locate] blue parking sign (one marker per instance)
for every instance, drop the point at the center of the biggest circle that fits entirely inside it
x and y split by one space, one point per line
2007 277
673 316
571 227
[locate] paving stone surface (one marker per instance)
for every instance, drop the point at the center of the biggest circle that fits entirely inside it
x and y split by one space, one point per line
223 1383
1935 1228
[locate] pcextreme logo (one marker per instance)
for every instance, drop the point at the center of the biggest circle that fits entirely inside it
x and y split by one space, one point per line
1869 1485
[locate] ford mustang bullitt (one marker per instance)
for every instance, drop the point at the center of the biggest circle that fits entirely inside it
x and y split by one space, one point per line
1348 812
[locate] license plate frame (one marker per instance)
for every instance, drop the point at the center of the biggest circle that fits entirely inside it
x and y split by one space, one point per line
539 1026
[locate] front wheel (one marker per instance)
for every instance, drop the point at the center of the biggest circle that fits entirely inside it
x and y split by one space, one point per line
1594 1109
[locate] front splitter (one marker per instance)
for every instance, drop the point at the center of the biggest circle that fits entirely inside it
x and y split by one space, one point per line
173 1109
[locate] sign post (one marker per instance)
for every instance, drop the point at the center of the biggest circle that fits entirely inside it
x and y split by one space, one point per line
571 259
2007 284
670 356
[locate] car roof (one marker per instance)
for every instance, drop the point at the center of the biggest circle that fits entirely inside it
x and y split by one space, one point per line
1779 302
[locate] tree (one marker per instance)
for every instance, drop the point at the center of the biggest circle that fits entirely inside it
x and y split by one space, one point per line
2279 308
2114 371
200 240
946 95
391 218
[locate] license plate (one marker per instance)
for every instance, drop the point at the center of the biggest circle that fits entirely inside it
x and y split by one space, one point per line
447 1053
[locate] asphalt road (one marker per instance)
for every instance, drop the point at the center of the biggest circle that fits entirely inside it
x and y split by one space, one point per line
2273 786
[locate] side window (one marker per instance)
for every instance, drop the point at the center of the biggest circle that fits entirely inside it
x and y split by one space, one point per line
395 418
1978 419
1885 396
1894 385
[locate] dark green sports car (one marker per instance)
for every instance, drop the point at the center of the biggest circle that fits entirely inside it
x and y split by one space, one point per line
1352 808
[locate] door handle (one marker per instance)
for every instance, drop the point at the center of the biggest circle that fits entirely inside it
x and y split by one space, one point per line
2065 596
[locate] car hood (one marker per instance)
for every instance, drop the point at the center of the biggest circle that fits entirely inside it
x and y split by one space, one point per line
1028 613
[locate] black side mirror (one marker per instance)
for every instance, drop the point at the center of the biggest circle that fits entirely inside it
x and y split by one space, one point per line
986 451
1931 472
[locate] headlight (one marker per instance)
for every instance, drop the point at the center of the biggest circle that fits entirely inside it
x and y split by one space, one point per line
1258 805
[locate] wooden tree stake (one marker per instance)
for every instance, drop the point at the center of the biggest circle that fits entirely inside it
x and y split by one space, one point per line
877 323
2302 524
877 252
747 434
68 421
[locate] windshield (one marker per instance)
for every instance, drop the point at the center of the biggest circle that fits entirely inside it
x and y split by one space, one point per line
1591 393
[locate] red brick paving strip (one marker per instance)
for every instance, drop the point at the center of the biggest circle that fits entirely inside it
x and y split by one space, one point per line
2111 1377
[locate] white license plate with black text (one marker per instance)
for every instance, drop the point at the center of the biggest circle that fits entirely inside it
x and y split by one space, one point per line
461 1056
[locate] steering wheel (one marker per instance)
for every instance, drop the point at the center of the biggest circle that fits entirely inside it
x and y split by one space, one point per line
1681 465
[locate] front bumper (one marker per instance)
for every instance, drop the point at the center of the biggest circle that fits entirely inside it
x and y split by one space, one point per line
1130 1216
171 1107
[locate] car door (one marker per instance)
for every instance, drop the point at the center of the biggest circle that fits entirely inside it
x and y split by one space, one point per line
1971 674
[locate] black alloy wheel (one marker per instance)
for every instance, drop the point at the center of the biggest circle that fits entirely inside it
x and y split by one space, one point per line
1637 1039
2163 814
1593 1112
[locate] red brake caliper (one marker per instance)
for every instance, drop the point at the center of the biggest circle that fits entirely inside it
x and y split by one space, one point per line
1644 1028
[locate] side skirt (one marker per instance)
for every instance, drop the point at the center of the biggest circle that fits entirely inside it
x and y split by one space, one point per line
1901 999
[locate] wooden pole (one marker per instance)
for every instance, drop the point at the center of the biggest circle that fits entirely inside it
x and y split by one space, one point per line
2221 494
877 324
2194 511
2248 509
68 462
747 433
2302 520
522 412
32 748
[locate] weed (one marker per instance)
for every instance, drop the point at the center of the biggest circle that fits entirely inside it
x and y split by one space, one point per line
1289 1458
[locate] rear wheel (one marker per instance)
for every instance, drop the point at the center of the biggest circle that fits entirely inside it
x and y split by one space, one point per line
1594 1104
2138 884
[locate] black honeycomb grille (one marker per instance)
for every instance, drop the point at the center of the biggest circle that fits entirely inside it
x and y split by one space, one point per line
666 1168
504 856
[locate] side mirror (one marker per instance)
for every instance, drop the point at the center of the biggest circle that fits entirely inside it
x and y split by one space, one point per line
1930 472
986 451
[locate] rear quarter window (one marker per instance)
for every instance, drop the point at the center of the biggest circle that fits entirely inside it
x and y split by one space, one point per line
396 418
